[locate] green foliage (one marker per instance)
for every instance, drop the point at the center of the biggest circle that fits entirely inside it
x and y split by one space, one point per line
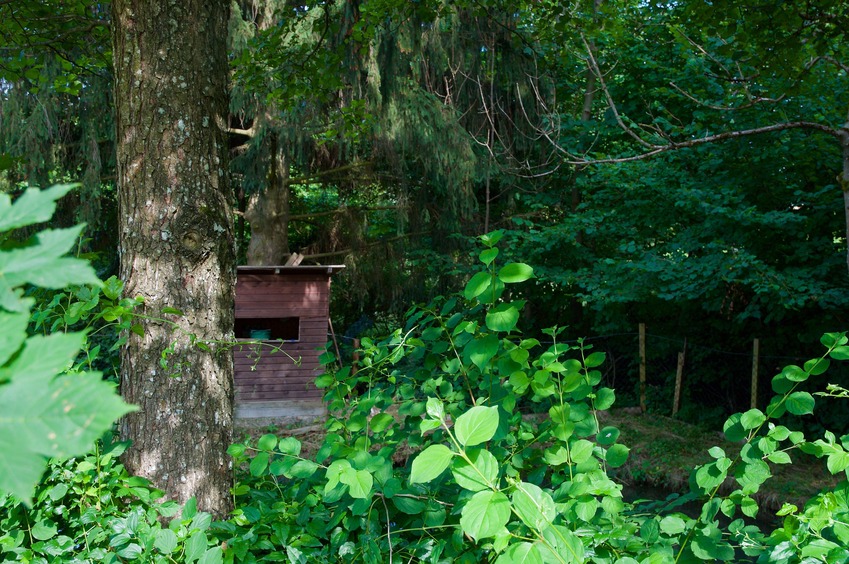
43 415
488 480
455 441
88 509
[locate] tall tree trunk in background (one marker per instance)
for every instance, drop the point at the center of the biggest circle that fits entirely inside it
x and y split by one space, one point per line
268 212
843 135
176 241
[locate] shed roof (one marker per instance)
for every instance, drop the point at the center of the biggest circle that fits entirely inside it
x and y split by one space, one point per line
328 269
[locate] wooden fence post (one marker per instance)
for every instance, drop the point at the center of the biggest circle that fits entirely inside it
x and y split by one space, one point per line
355 358
679 373
642 367
755 357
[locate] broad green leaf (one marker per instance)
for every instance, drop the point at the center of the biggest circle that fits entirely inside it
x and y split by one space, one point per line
259 464
751 475
818 366
502 317
359 482
711 549
607 436
800 403
33 206
794 373
334 473
604 398
492 238
435 409
672 525
42 416
408 505
12 335
580 451
752 419
380 422
586 508
165 541
521 553
749 507
716 452
595 359
113 287
650 531
779 432
201 521
430 463
267 442
533 506
617 455
290 445
485 514
212 555
837 461
43 530
565 543
779 457
480 474
302 469
781 385
195 547
515 272
833 339
556 455
733 428
488 255
43 263
480 351
477 285
190 508
840 353
477 425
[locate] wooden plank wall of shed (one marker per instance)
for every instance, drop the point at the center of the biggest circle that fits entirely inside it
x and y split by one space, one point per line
275 376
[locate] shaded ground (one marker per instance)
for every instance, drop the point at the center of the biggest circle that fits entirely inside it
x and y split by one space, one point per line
663 452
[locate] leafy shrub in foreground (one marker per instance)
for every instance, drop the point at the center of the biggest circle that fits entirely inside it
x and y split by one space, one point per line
460 440
43 414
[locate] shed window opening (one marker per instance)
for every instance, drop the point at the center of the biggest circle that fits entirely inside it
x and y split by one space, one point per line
287 329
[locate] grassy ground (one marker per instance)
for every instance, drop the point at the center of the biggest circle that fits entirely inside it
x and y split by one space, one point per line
663 452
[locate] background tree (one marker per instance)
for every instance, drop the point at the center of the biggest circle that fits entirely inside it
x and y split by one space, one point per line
55 62
176 242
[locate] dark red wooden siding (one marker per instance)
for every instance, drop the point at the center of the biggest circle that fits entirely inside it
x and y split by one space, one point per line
275 376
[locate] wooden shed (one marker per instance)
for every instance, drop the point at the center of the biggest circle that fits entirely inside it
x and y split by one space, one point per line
286 307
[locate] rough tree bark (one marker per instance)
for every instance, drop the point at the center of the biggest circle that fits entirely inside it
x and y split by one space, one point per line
176 241
268 212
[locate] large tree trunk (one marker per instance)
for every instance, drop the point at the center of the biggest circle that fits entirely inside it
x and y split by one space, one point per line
268 212
176 242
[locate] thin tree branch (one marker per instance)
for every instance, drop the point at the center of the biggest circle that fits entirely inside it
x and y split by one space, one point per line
657 149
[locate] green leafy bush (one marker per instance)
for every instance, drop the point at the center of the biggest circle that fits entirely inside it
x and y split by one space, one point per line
461 440
458 439
88 509
43 415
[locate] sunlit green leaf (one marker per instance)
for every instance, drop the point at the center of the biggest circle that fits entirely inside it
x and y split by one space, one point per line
800 403
502 318
430 463
479 473
515 272
477 425
534 506
485 514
